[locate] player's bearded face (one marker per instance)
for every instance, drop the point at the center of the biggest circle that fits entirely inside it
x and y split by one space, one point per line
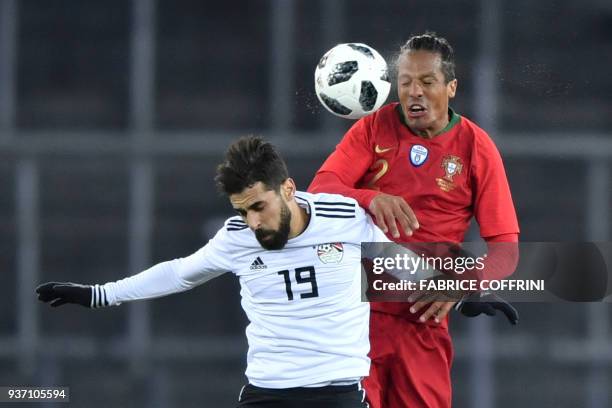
423 92
276 239
267 214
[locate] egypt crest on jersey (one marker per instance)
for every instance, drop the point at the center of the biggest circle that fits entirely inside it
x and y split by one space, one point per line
330 253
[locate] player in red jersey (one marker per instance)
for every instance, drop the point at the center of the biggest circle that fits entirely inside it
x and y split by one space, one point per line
423 171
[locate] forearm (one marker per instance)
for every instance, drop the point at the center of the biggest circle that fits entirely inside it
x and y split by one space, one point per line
162 279
157 281
502 256
499 262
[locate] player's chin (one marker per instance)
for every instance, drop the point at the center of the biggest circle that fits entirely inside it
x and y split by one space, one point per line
272 242
418 124
273 246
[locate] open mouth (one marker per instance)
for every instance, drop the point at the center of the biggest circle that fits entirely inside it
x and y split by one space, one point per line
415 110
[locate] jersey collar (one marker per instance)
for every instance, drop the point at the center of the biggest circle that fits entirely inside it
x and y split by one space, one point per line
453 119
304 202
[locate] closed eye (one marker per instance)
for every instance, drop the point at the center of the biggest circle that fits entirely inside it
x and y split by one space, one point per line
258 206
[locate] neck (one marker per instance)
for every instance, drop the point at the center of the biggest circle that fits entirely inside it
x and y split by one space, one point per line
428 133
299 219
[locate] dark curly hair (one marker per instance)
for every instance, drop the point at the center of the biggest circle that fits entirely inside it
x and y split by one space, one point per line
248 160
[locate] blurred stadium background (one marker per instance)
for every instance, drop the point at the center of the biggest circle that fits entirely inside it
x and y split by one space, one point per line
113 115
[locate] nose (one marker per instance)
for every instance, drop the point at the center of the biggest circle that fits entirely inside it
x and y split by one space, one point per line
253 220
415 90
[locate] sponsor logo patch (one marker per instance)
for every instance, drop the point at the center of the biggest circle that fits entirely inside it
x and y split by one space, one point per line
257 264
418 155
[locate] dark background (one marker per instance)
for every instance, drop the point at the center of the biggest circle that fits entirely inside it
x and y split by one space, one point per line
114 114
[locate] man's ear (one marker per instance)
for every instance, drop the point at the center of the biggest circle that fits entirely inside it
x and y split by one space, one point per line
288 189
451 88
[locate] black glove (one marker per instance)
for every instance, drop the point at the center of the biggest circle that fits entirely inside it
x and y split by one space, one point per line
487 303
60 293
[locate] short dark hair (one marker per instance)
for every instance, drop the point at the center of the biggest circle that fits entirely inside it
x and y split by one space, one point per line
430 41
247 161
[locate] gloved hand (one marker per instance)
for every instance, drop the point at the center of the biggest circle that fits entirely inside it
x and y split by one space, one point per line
60 293
487 303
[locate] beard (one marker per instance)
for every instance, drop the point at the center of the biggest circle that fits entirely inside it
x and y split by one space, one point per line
275 240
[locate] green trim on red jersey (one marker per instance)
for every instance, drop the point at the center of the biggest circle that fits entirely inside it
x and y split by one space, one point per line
454 119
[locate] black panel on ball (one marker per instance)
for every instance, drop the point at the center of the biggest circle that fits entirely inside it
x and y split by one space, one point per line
342 72
334 105
362 49
368 96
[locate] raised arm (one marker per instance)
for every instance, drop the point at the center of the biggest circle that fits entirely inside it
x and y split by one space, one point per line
345 168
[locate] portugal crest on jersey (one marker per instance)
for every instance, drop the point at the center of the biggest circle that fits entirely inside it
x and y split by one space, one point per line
452 166
330 253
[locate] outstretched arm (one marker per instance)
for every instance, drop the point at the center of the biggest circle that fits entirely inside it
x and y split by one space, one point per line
162 279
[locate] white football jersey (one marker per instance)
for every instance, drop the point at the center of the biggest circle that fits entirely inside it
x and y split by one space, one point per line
308 324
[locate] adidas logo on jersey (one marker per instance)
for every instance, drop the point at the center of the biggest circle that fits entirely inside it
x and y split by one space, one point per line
258 264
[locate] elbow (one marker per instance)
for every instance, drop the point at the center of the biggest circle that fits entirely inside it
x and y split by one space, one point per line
324 182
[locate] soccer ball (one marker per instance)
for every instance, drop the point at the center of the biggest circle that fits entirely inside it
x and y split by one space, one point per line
352 80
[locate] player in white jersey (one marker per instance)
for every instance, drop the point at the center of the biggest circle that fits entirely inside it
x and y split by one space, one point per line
298 258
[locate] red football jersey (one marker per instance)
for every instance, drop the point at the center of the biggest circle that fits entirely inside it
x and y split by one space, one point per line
446 180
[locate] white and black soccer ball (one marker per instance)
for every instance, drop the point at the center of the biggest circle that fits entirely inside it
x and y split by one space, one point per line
352 80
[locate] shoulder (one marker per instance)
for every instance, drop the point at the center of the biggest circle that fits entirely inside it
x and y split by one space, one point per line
485 156
233 235
385 117
235 223
330 205
335 206
336 218
380 127
320 199
476 135
385 113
